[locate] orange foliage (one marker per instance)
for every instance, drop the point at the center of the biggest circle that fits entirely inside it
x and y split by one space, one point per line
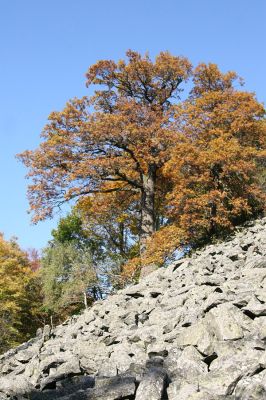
136 150
214 166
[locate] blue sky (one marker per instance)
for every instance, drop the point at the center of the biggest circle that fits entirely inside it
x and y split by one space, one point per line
47 45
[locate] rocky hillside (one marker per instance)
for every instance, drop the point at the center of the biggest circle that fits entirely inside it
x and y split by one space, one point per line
195 330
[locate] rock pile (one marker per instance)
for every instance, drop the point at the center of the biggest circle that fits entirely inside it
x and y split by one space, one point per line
193 331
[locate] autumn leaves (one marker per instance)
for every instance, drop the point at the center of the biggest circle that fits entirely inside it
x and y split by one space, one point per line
181 169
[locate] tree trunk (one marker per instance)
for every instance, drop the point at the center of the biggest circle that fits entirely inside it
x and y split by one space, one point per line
85 300
121 238
147 214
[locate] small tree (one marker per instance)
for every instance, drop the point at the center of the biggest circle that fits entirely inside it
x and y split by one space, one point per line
115 234
20 298
69 280
81 282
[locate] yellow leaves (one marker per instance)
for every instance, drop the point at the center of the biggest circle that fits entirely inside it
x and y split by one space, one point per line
122 218
15 307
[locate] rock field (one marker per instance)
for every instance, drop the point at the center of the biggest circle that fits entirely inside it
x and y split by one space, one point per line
195 330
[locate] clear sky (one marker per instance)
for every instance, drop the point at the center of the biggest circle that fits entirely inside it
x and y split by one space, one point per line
47 45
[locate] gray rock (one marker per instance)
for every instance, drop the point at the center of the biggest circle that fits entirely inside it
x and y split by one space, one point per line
220 382
65 369
190 363
252 387
182 390
255 307
196 329
15 386
198 335
259 327
46 332
153 385
224 323
113 388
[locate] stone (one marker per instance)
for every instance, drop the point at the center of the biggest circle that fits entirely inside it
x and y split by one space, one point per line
15 386
26 355
255 308
207 396
153 385
113 388
252 387
65 369
198 335
224 322
260 327
195 330
137 371
190 363
46 332
182 391
220 382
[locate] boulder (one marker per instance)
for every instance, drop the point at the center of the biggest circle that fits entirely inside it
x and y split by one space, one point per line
152 385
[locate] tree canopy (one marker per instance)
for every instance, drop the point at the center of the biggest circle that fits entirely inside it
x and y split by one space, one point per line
20 299
68 278
176 169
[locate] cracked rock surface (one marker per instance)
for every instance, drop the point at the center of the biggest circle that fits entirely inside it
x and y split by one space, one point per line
195 330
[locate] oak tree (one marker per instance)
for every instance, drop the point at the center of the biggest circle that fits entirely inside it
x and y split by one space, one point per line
175 170
115 141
